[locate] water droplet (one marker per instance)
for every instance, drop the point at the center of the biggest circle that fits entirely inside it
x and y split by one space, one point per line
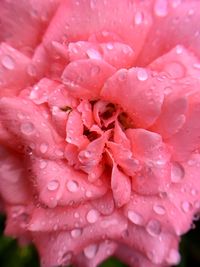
153 228
66 258
109 46
196 66
186 206
93 4
159 209
53 185
135 217
95 70
72 186
122 76
90 251
43 164
93 54
161 8
27 128
76 215
173 257
179 49
88 193
177 172
92 216
168 90
44 148
8 62
31 70
59 152
142 74
138 18
75 233
176 3
175 70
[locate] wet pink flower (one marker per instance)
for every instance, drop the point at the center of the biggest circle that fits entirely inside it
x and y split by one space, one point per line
99 128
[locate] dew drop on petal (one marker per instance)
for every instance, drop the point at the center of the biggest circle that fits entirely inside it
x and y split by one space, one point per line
75 233
161 8
53 185
90 251
153 227
44 148
76 215
8 62
186 206
72 186
109 46
92 216
179 49
31 70
177 172
196 66
95 70
43 164
135 217
159 209
27 128
173 257
138 18
142 74
175 70
93 54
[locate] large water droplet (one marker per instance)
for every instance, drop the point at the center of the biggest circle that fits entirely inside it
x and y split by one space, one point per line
75 233
142 74
159 209
8 62
138 18
153 227
72 186
92 216
27 128
161 8
135 217
90 251
44 147
53 185
177 172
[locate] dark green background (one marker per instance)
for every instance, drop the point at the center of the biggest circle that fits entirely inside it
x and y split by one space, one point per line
13 256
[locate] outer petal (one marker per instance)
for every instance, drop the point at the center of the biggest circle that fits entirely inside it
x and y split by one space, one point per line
20 118
13 70
23 22
176 22
79 21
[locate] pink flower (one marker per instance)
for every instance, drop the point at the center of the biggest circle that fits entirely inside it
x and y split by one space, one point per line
99 127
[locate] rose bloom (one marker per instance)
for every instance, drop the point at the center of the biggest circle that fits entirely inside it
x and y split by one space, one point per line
100 128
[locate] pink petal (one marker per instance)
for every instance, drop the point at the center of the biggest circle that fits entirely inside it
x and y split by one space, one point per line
121 187
118 18
34 18
84 78
20 118
13 69
125 88
178 24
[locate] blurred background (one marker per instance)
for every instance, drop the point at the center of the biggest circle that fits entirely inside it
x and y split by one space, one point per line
11 255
